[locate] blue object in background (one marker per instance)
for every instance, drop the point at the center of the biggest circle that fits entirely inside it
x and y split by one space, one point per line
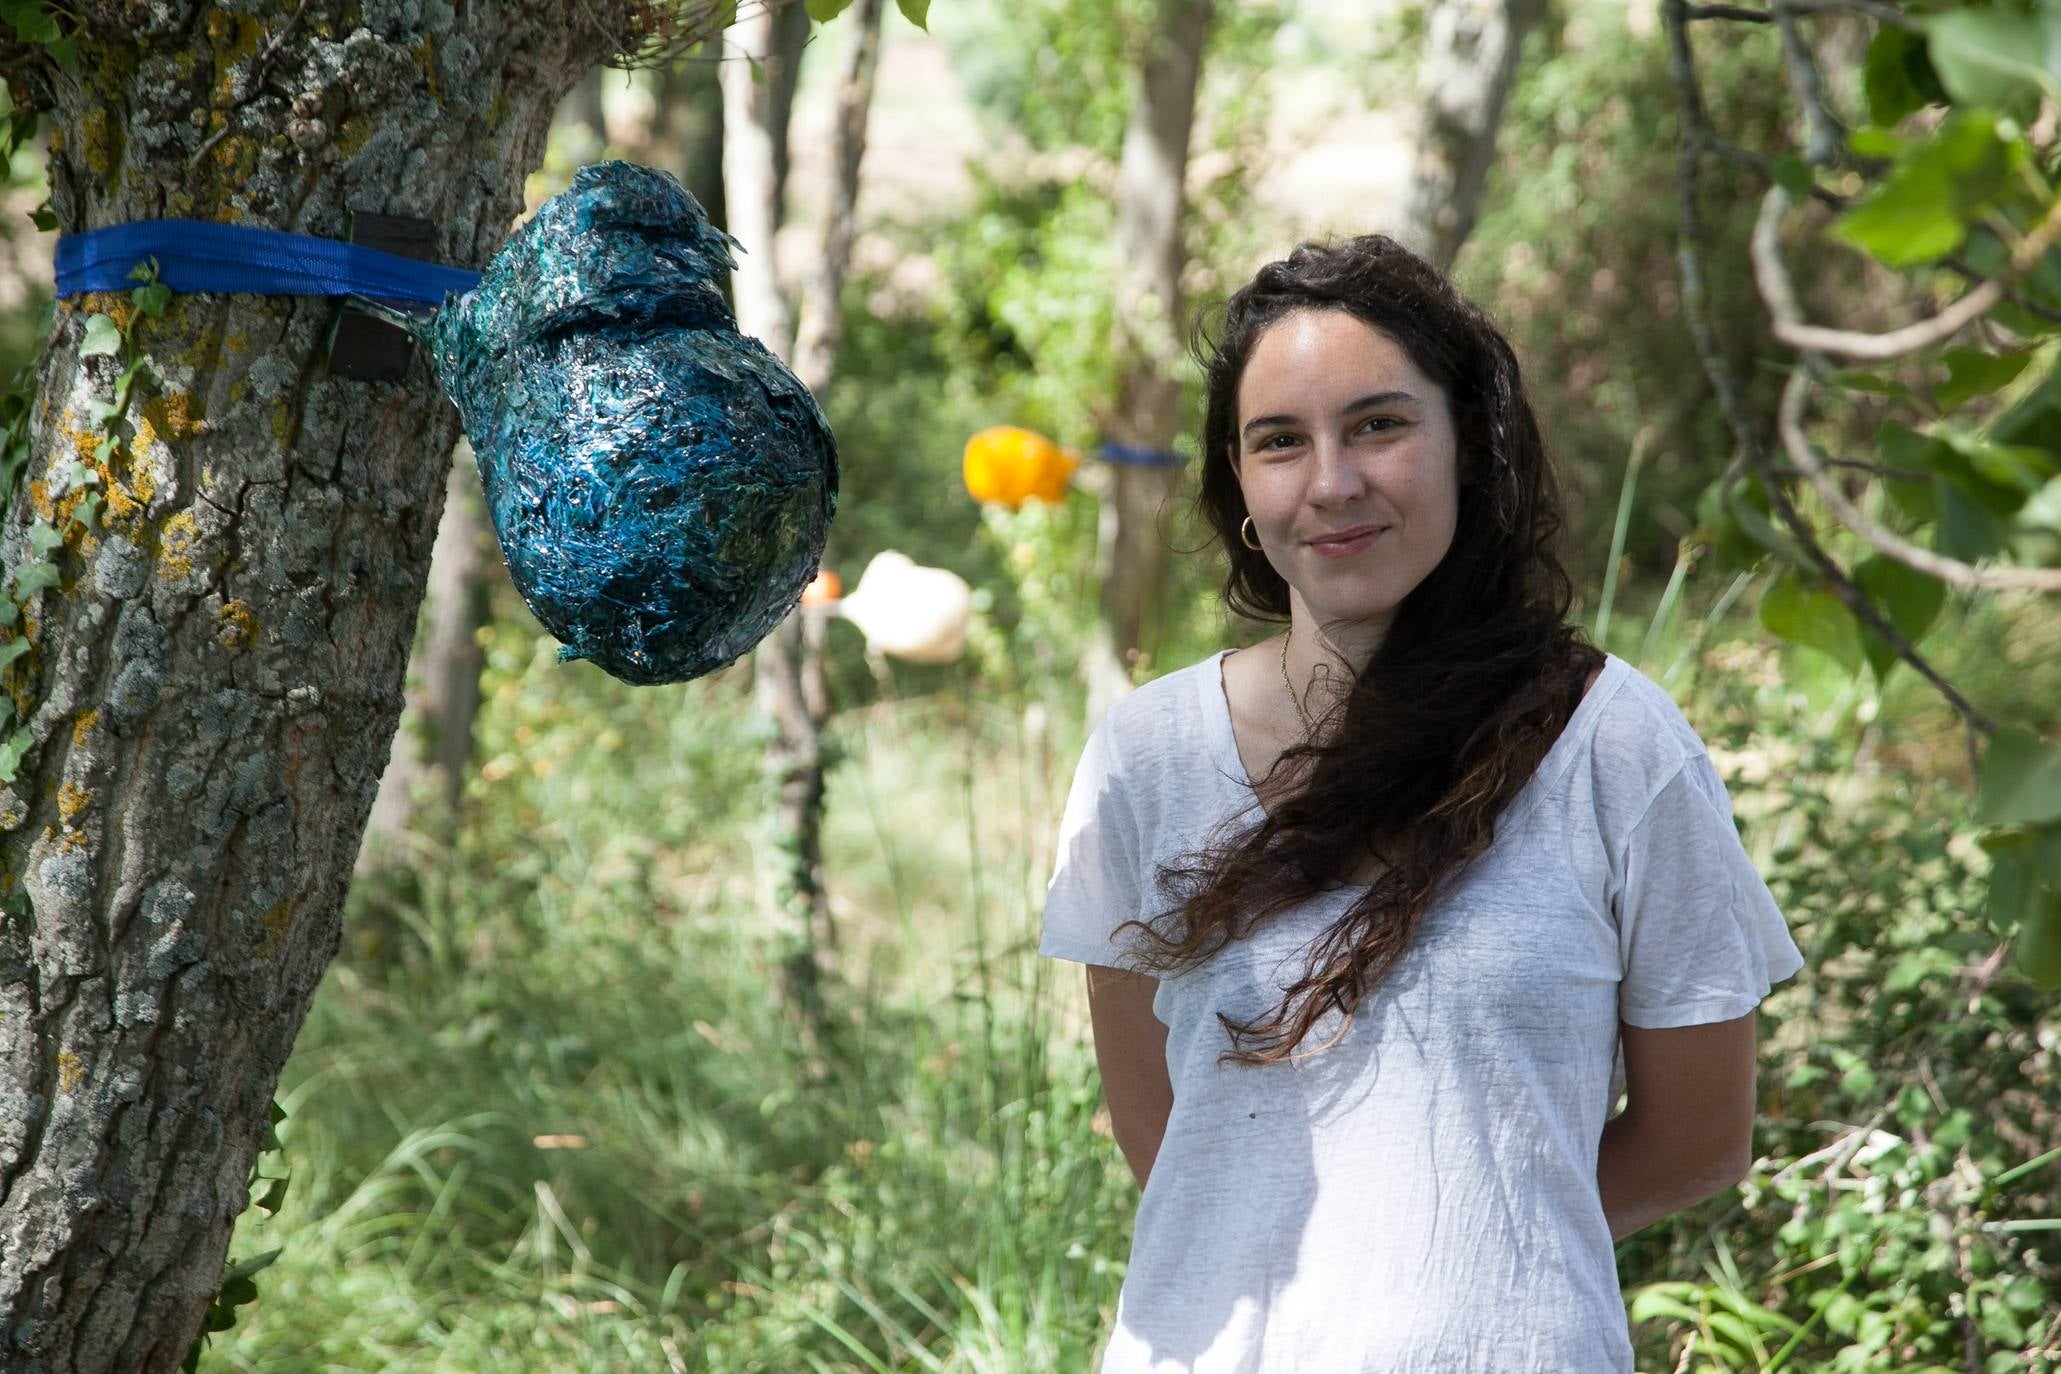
661 485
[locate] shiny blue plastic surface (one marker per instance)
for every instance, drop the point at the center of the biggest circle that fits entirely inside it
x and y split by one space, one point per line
661 485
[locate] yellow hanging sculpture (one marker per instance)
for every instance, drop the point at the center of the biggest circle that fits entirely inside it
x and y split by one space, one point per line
1008 466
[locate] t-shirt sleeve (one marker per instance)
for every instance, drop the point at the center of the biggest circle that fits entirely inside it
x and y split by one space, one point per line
1699 935
1097 878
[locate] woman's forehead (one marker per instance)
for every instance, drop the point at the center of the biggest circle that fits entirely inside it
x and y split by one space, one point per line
1321 361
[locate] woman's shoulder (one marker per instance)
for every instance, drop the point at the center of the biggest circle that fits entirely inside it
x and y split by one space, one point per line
1641 737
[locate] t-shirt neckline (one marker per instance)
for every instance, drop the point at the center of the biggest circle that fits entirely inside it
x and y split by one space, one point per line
1224 741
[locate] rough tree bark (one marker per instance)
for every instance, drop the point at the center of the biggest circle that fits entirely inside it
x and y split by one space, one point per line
1470 61
1132 554
214 684
787 667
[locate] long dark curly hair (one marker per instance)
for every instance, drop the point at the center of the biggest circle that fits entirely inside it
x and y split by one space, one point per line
1473 681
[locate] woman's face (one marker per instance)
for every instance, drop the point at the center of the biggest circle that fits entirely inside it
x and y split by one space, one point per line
1338 435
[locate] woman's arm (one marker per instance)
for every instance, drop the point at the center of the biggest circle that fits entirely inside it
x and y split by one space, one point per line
1130 1047
1687 1128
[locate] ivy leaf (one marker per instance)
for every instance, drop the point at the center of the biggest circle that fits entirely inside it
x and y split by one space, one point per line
102 337
1909 599
150 300
13 751
917 12
32 23
1812 617
43 217
43 538
2020 782
1972 372
12 650
1853 379
823 11
33 577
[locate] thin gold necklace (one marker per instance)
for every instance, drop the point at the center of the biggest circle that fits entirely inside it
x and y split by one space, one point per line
1308 726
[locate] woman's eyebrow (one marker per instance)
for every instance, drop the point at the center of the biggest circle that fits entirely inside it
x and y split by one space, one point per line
1367 402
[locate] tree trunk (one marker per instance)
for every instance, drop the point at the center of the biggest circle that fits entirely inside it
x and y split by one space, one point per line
445 700
755 117
688 131
215 682
1470 61
1131 552
787 668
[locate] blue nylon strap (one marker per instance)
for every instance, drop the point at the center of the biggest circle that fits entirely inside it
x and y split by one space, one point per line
1113 452
195 255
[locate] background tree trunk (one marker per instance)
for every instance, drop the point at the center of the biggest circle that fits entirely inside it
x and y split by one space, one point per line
787 667
1470 61
215 683
1131 551
445 697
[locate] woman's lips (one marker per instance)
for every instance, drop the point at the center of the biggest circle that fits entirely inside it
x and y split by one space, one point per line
1350 542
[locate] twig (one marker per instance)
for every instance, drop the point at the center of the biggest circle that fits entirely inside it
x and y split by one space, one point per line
1695 134
1773 280
1827 138
1789 422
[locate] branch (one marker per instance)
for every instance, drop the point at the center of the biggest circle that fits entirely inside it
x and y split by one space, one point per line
1696 133
1789 421
1827 138
1773 279
1881 13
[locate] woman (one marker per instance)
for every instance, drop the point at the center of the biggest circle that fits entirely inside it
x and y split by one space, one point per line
1384 913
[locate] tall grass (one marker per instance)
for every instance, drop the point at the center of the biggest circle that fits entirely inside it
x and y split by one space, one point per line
546 1114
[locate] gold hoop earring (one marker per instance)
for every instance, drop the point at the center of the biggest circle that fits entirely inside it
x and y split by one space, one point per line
1248 534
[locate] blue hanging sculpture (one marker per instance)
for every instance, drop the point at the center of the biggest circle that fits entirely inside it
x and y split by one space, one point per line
661 485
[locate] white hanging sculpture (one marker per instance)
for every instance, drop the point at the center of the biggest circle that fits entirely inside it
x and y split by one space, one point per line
909 612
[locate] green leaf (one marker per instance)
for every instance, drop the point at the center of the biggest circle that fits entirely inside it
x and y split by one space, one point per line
1994 56
1897 76
1853 379
33 24
12 650
1972 372
1920 210
2037 951
32 577
243 1269
823 11
2015 470
1909 599
150 300
43 537
1812 617
43 217
1968 530
145 270
102 337
273 1196
917 12
13 752
64 52
1793 175
2020 782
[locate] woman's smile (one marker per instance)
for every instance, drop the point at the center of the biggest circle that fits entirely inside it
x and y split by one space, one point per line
1348 542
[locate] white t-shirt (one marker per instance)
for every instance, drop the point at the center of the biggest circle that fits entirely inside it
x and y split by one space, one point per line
1421 1196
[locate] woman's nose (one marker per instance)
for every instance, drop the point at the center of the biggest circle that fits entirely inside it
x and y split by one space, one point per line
1336 477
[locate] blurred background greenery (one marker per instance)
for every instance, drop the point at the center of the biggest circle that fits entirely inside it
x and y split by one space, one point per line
545 1114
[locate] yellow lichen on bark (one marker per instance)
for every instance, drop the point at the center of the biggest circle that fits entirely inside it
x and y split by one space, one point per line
82 726
70 1072
239 626
175 547
71 800
275 922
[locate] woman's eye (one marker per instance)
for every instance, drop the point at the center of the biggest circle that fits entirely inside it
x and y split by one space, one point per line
1380 423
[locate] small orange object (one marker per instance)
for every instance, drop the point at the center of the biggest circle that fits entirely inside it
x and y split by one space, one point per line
824 590
1008 466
